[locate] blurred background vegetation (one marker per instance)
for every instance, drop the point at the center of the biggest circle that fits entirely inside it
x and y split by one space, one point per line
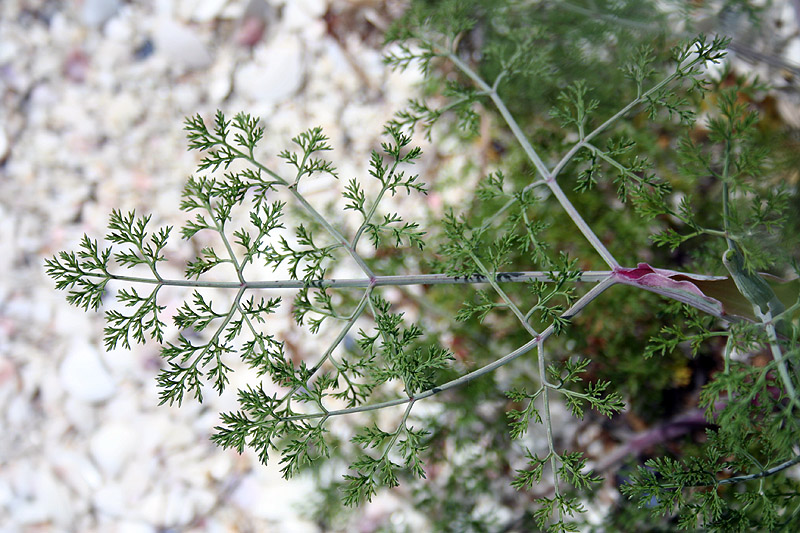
473 459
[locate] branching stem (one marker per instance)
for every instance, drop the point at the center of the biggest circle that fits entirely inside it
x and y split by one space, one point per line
582 302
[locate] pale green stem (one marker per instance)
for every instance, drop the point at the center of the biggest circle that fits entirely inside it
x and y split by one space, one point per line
511 305
490 220
582 225
218 332
308 208
372 208
777 355
338 340
400 427
588 276
613 19
546 175
758 475
548 423
582 302
728 350
386 343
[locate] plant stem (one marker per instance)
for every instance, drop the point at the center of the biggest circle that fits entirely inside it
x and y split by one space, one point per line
587 276
548 423
308 208
582 302
545 174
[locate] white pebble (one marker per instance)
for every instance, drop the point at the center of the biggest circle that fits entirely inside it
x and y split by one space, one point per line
96 12
220 83
134 527
299 14
83 375
266 484
8 51
207 10
47 501
123 110
180 45
275 75
110 500
112 446
792 52
4 146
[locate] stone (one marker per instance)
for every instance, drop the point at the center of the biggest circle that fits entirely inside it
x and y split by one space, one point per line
83 375
207 10
112 447
95 13
5 147
274 75
180 45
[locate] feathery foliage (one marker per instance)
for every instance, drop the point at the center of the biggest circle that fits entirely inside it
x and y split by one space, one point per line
597 180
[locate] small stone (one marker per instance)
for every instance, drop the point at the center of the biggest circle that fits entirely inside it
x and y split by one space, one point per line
123 111
220 82
76 66
298 14
9 51
110 500
112 446
792 52
135 527
266 484
83 375
208 10
144 50
250 32
96 12
180 45
4 146
275 75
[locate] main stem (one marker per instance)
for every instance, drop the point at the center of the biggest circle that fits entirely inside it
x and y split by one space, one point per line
537 162
576 308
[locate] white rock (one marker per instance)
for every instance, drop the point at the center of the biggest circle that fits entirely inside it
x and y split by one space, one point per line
207 10
220 465
121 29
151 508
110 500
134 527
4 146
167 505
265 484
123 110
96 12
19 410
8 51
48 501
789 109
112 446
180 45
138 476
298 14
220 83
6 495
83 375
186 98
275 75
75 412
792 52
76 469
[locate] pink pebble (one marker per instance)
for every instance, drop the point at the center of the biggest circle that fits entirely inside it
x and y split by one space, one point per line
250 32
76 66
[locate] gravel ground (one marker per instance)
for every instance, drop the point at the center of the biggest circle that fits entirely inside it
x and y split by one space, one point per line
94 93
